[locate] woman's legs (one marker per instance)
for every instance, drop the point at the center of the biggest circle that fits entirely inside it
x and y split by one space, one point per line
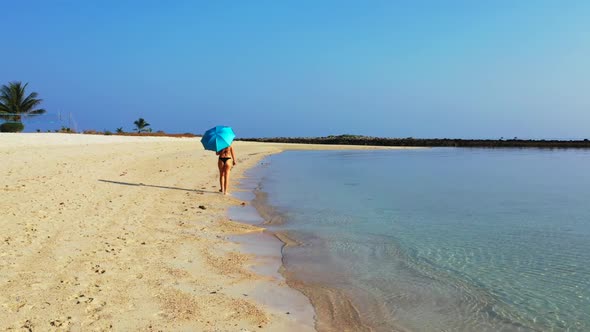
226 171
220 165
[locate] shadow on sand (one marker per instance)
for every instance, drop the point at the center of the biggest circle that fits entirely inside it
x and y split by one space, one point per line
155 186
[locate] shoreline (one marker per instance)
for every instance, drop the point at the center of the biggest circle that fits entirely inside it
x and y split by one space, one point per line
334 310
125 233
331 310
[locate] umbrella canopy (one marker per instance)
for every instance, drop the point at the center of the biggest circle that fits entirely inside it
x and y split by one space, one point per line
218 138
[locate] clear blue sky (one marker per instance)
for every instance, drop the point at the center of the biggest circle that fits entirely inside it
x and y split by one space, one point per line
308 68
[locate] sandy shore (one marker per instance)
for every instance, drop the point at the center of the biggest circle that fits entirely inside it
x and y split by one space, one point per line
130 233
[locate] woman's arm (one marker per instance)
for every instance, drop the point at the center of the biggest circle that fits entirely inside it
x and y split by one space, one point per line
233 156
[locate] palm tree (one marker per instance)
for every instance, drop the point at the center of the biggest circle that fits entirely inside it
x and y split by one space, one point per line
120 130
141 125
14 105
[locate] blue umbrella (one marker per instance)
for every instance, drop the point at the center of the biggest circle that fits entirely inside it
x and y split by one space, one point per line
218 138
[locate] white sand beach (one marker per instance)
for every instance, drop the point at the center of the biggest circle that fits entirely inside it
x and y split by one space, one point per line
130 233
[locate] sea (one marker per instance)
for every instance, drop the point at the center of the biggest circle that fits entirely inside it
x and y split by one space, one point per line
436 239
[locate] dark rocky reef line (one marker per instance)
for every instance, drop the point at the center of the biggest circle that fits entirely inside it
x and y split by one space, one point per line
427 142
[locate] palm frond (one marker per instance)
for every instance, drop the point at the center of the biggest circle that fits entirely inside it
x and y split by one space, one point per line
13 100
5 91
37 112
18 92
29 103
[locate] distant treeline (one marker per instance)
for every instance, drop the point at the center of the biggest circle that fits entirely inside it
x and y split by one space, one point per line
427 142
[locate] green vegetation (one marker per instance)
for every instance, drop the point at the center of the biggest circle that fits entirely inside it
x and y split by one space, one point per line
120 130
141 126
14 105
11 127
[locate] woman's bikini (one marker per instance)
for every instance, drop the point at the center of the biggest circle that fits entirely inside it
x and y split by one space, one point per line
224 159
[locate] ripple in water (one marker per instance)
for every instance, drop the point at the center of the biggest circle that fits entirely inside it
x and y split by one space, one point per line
442 239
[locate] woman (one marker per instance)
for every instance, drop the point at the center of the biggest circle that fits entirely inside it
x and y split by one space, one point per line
227 159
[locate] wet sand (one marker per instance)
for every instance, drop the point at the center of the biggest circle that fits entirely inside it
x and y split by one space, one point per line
334 309
130 233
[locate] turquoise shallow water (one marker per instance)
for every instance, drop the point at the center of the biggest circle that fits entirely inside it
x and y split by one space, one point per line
442 239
